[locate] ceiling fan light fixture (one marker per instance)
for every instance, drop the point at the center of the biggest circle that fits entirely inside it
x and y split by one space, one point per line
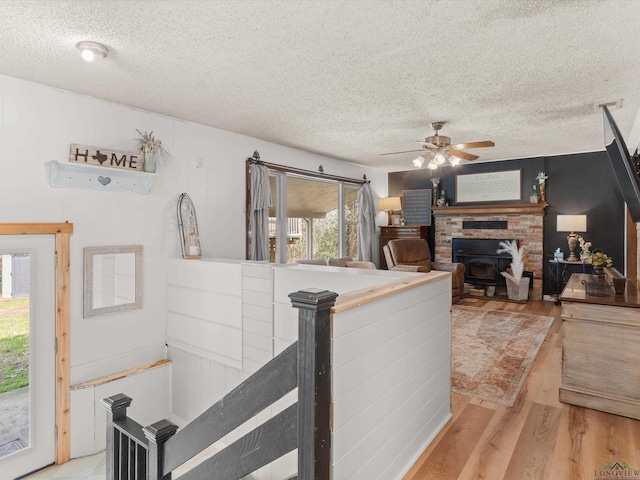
92 50
418 162
439 150
439 158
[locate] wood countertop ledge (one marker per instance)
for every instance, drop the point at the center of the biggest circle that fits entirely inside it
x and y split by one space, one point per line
360 297
575 291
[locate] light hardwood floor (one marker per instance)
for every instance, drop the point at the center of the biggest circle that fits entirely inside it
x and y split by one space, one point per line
537 438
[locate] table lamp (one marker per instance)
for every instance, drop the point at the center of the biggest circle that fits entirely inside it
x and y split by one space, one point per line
573 224
389 204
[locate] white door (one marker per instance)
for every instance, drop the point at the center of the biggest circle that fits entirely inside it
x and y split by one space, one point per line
27 413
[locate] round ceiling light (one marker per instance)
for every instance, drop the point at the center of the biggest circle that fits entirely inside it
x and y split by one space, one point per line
91 50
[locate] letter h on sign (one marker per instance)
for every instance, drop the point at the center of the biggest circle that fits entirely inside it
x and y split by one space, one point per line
78 154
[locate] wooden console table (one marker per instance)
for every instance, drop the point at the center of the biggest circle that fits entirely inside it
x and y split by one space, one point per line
560 271
601 348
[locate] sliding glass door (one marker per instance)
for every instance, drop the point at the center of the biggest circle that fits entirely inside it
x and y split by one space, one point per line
311 218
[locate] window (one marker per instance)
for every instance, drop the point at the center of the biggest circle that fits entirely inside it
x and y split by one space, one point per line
311 223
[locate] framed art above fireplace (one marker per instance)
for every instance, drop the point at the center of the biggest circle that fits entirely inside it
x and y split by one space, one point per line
489 187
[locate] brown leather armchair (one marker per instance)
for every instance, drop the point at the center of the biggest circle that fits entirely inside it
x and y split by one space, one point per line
414 255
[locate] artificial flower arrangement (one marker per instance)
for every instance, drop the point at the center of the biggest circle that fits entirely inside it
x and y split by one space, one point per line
600 259
151 149
584 247
542 177
517 286
517 255
149 144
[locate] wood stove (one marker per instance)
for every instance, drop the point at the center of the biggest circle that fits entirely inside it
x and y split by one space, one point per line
482 262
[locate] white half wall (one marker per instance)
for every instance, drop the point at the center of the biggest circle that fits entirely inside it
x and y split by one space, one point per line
390 356
391 381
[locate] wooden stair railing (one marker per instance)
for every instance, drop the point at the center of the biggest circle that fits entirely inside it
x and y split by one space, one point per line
155 451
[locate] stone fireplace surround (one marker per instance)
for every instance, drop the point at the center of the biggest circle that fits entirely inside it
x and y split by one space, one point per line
524 222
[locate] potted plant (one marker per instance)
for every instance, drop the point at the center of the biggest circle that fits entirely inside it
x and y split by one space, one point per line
152 150
517 285
599 260
533 198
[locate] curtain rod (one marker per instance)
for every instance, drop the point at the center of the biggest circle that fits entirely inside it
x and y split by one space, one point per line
255 159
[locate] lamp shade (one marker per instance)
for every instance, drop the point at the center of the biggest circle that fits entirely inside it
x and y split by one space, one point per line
572 223
390 203
418 162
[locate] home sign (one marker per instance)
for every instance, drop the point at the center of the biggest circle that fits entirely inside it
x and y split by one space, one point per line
103 157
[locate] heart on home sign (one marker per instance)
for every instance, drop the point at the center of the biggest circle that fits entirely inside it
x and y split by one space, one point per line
104 180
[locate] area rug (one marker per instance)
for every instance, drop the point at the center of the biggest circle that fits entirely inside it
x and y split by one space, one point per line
492 351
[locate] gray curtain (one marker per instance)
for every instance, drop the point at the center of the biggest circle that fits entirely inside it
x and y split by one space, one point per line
259 215
367 250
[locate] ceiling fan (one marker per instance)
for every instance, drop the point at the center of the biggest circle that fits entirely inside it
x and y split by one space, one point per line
439 149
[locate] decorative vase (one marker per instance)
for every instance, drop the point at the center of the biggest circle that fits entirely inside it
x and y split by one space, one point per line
149 162
598 270
518 291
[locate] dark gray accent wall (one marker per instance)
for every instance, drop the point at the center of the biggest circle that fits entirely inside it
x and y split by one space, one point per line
578 184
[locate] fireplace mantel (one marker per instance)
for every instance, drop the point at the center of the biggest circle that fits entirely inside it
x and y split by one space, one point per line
513 209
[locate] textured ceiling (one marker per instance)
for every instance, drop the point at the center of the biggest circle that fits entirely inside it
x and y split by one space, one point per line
348 79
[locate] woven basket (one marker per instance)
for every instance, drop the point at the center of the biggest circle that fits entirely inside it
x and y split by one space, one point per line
598 289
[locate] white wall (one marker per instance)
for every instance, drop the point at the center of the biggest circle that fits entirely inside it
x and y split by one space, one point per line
39 123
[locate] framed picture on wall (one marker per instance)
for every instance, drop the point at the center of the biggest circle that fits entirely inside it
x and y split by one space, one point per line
416 207
489 187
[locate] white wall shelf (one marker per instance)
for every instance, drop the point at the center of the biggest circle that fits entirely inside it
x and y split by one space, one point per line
99 178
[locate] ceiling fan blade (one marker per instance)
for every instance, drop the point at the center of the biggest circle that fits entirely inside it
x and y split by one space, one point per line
464 155
462 146
406 151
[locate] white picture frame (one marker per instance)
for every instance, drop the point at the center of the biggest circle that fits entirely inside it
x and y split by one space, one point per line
489 187
113 279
